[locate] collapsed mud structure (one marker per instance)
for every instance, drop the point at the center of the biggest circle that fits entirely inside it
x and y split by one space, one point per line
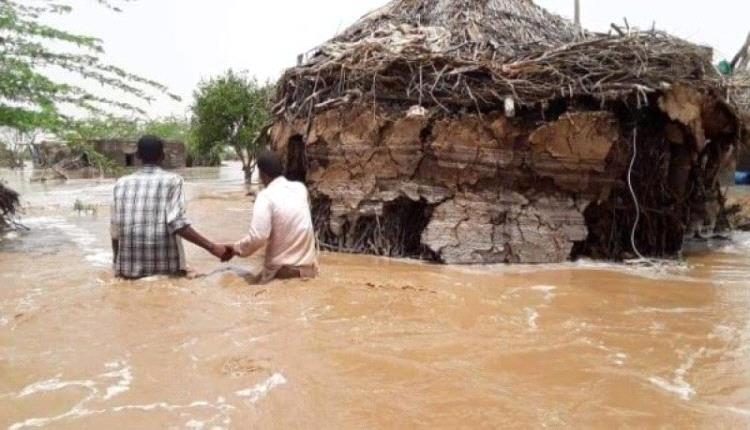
491 131
123 152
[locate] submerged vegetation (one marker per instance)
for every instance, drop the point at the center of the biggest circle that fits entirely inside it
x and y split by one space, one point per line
9 203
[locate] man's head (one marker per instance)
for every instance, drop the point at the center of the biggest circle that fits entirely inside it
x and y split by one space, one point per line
270 167
151 150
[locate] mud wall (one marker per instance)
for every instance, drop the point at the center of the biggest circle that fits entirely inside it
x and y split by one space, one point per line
123 152
472 188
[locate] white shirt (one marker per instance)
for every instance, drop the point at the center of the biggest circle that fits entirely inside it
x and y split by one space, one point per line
281 220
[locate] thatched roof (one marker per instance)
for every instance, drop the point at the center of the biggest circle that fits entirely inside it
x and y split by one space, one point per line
504 27
481 54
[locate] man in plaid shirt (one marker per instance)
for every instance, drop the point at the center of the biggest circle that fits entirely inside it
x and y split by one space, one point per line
148 220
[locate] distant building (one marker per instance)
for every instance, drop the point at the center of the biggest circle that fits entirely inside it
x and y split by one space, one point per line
123 152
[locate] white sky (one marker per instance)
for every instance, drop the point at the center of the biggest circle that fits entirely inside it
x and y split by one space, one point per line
178 42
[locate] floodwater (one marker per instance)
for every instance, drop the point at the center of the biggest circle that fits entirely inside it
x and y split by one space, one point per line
372 343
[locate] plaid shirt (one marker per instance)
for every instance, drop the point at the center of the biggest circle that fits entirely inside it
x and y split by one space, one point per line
148 211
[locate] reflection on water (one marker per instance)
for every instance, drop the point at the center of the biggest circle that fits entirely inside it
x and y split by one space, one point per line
372 343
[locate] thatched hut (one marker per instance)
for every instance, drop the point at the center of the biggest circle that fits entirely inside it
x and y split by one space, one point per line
485 131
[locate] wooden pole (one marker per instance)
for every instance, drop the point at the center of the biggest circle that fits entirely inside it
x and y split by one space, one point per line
578 12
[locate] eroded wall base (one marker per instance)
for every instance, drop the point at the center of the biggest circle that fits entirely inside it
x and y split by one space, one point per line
489 189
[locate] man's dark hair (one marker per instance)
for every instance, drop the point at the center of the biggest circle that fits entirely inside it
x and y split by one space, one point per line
270 164
150 149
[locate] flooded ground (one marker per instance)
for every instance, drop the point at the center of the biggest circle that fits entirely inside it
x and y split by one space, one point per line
372 343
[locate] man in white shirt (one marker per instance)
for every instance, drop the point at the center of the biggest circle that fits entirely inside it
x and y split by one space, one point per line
281 221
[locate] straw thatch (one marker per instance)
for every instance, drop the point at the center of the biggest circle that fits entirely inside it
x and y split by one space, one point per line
9 201
476 54
504 27
492 131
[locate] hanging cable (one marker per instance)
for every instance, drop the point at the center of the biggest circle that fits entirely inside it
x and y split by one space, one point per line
635 198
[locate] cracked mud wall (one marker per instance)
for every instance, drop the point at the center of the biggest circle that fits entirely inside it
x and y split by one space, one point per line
493 194
487 189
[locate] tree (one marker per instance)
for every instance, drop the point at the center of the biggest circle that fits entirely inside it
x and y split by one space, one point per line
231 110
171 128
31 99
30 51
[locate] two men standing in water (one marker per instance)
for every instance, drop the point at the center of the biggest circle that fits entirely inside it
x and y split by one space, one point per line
149 220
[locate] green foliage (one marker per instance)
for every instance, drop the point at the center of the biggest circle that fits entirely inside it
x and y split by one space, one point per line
230 110
29 49
102 128
177 129
203 155
170 128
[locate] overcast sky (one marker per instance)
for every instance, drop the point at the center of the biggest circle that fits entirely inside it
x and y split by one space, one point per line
179 42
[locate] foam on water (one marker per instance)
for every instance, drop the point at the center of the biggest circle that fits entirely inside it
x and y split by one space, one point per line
740 243
678 385
54 384
642 310
619 358
531 317
261 390
99 392
740 411
547 290
82 238
76 412
195 424
125 378
667 270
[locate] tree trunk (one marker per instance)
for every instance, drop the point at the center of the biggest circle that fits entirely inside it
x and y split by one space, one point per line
248 162
249 170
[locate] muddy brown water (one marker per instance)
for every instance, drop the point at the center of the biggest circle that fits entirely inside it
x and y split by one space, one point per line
372 343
